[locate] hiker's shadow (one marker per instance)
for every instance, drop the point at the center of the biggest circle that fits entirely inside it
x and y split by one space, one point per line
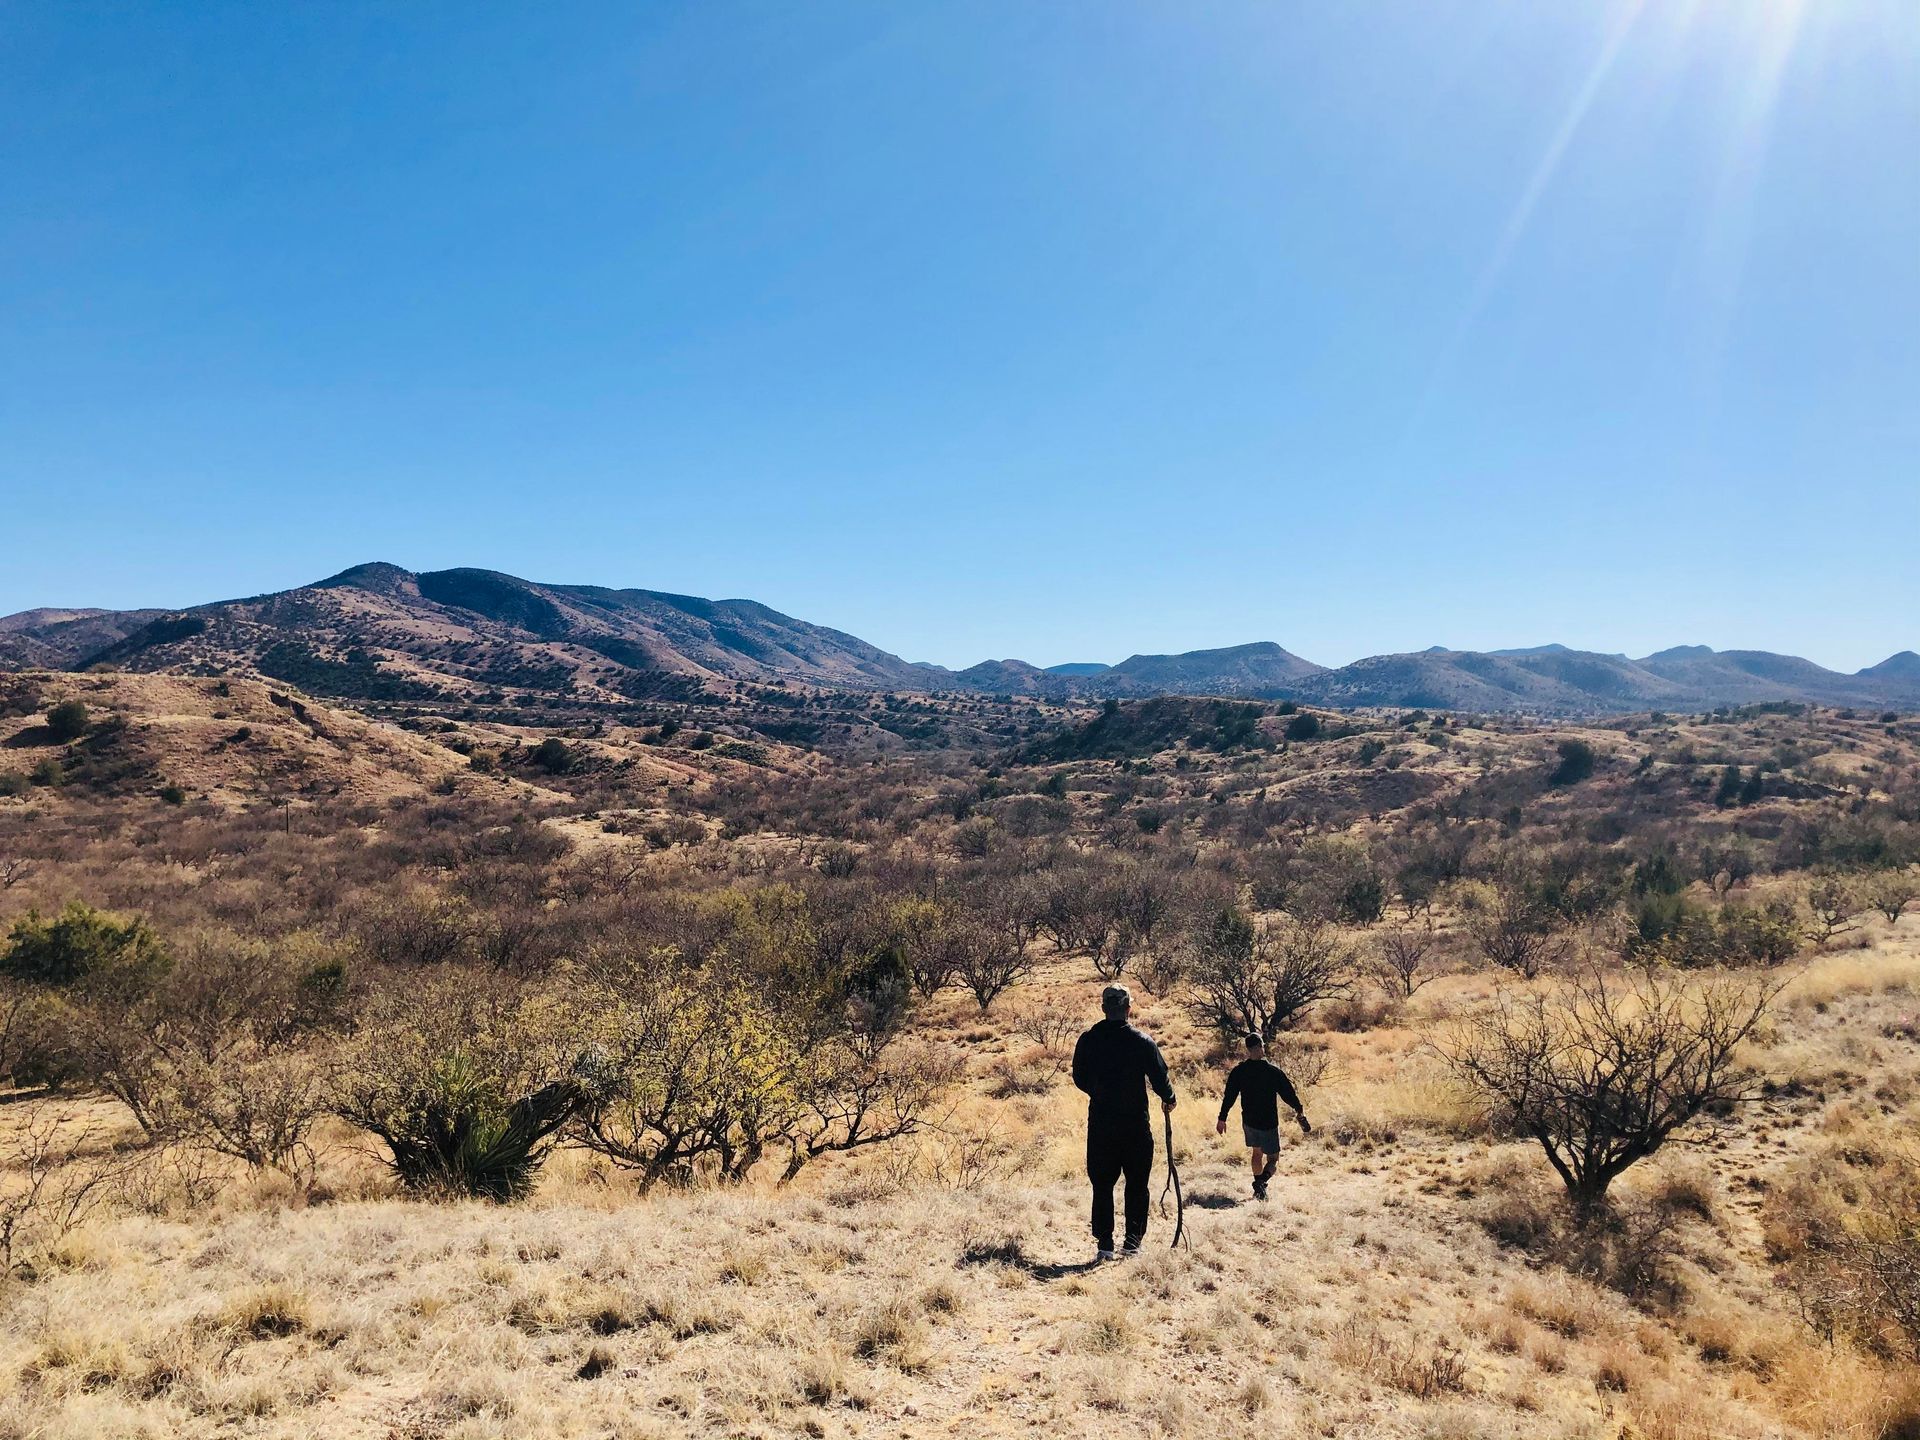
1014 1256
1214 1200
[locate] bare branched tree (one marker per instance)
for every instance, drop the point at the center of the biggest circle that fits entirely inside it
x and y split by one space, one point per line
989 959
1516 927
1891 892
1833 904
1400 961
1250 977
1603 1071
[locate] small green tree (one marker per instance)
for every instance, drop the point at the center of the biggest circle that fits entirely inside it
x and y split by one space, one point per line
1730 789
67 720
1576 763
553 756
81 943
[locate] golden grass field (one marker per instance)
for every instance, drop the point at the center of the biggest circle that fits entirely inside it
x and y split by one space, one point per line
945 1287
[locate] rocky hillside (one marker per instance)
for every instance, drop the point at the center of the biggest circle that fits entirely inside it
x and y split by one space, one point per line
378 632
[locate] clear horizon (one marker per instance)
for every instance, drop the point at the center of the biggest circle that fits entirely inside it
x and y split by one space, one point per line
984 331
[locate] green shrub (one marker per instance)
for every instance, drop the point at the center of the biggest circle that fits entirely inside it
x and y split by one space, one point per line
81 944
67 720
553 756
1303 726
172 795
1576 763
1672 930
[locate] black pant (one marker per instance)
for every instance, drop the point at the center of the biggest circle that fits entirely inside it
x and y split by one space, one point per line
1112 1151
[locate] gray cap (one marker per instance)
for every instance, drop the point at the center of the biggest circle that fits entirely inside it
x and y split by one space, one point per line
1116 1000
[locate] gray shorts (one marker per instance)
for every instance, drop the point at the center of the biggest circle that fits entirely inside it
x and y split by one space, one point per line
1266 1140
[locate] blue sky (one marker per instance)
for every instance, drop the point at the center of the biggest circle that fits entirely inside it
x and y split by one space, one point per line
1054 330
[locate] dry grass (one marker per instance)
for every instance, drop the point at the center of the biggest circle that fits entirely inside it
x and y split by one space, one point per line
944 1285
1399 1282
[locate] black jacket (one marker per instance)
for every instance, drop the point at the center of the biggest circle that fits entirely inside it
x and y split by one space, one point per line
1115 1063
1257 1083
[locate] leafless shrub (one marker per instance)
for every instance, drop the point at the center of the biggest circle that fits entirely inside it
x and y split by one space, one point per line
962 1157
1161 969
989 959
1031 1073
1833 903
59 1169
1842 1226
219 1050
1400 961
1515 927
930 940
171 1179
1052 1029
422 927
1251 977
1422 1368
1083 914
1604 1072
1307 1061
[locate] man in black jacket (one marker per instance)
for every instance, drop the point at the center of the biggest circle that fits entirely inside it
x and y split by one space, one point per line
1115 1063
1257 1083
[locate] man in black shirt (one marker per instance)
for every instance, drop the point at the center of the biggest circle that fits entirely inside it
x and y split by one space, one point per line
1257 1083
1115 1063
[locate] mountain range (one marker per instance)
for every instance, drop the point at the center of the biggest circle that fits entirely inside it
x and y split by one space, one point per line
379 632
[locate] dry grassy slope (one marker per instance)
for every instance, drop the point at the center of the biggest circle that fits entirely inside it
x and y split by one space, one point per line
1825 753
186 732
1364 1299
154 730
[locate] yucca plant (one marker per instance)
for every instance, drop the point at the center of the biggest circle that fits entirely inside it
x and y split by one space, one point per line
454 1090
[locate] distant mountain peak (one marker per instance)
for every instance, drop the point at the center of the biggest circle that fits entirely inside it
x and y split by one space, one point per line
1681 652
379 576
1904 665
